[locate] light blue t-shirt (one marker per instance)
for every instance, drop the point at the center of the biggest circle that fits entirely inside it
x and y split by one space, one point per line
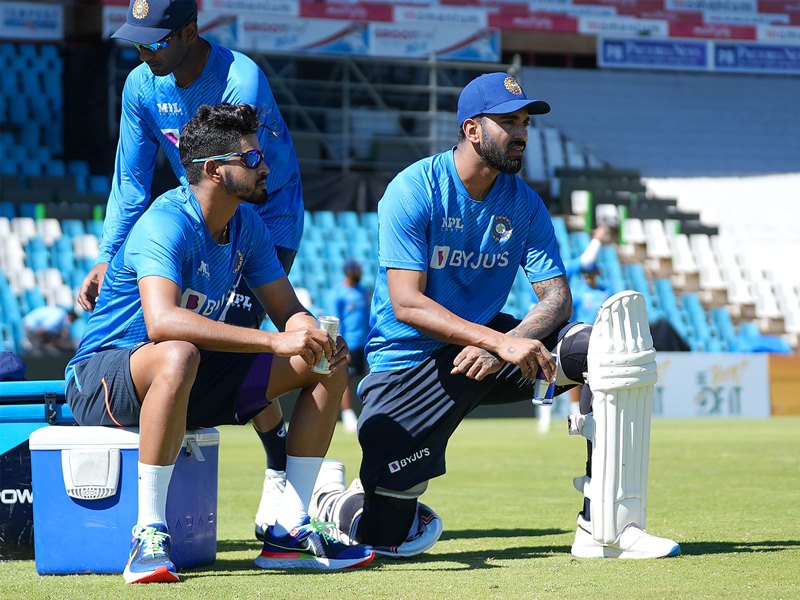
470 249
155 109
171 240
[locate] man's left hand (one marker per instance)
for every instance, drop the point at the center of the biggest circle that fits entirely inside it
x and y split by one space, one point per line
476 363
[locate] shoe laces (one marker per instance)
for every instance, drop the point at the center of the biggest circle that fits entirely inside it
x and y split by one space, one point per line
323 528
153 540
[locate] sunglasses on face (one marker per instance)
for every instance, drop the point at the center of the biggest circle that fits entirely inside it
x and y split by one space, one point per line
251 159
156 46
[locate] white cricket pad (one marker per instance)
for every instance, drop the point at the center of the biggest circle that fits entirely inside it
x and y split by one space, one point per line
622 372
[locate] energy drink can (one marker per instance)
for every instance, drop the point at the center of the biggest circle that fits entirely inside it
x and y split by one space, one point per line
331 326
544 390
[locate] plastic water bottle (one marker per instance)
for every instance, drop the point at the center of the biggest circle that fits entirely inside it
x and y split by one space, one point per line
544 390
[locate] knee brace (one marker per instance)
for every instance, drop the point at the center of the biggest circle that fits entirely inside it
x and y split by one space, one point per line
572 350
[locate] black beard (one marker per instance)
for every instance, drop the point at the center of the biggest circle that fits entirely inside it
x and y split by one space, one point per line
255 196
497 158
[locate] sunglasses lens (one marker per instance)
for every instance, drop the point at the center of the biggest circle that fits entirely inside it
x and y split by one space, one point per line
252 159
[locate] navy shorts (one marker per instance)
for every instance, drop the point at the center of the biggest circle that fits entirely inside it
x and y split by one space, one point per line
245 310
409 415
230 388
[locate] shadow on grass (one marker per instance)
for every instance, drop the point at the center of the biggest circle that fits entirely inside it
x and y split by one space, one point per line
487 558
733 547
479 559
498 533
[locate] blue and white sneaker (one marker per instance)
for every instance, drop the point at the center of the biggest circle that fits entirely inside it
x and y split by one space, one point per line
308 546
149 560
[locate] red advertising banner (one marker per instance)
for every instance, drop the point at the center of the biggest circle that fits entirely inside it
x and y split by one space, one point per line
712 31
365 11
534 22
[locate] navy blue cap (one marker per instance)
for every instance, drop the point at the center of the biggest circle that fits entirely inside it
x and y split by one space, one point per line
351 263
495 94
150 21
11 367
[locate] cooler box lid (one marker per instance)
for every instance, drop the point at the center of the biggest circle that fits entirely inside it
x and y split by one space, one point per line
68 437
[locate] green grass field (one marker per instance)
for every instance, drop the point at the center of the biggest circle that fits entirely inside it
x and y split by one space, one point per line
727 490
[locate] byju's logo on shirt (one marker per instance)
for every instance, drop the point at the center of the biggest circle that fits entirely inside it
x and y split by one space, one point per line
169 108
443 257
396 465
198 302
172 136
439 258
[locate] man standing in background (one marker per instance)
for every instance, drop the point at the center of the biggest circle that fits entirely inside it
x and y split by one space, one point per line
349 302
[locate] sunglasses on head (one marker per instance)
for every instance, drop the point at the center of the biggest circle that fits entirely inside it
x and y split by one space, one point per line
251 159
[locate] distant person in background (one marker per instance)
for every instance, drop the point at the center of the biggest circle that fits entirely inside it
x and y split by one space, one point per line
349 302
588 296
47 330
181 71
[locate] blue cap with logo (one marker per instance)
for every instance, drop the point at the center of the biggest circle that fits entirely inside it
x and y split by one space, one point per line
150 21
495 94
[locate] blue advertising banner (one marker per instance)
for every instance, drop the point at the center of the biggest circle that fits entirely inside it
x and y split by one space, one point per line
756 58
682 55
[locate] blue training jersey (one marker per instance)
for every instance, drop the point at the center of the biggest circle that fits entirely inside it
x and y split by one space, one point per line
171 240
470 249
155 109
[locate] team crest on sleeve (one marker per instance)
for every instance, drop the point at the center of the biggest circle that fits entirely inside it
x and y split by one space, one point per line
239 261
140 9
501 228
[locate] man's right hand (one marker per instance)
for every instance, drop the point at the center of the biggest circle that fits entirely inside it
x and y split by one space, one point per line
528 355
90 288
310 343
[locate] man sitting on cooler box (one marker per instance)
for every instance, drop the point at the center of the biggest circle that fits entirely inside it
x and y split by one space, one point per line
155 354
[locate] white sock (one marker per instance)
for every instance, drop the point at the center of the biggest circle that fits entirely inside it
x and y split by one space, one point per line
153 486
301 475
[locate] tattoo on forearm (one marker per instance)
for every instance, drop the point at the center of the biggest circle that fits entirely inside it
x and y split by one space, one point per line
553 309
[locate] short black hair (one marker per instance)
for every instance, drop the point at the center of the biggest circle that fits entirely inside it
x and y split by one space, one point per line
214 130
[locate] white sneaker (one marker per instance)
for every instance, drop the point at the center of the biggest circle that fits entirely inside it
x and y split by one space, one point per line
349 421
633 542
274 484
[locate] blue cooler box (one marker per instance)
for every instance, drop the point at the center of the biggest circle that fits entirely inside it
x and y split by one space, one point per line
85 499
25 406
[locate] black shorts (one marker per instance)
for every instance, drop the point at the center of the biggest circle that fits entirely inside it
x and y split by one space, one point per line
244 309
230 388
409 415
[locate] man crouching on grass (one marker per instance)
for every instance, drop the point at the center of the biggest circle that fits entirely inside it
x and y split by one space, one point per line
155 355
